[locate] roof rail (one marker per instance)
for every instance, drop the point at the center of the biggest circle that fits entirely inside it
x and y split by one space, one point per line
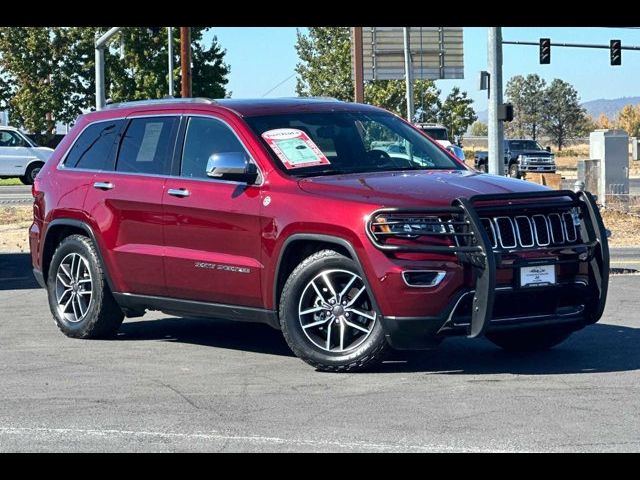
159 101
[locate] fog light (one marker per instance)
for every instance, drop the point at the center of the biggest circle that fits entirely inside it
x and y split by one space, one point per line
423 278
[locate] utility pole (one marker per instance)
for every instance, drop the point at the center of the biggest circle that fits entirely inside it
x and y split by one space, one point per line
170 48
358 73
408 73
185 61
496 126
100 45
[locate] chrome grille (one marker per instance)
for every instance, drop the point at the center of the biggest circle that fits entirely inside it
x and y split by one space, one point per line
530 231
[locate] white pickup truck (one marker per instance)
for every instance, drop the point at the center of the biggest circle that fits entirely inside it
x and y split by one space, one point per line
19 156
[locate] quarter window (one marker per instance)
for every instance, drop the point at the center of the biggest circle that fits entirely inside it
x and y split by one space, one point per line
146 146
94 149
203 138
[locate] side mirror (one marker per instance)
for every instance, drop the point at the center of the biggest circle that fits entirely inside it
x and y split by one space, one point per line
548 148
233 166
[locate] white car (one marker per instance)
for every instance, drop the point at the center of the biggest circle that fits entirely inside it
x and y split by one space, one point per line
19 156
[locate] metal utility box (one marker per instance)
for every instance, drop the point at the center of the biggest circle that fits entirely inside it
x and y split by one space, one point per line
611 147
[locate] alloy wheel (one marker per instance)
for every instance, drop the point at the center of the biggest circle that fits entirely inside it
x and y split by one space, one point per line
74 288
335 311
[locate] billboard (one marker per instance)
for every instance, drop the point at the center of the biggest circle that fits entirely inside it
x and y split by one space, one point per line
436 53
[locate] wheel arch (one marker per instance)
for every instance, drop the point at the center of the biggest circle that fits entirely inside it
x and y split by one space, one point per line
299 246
58 230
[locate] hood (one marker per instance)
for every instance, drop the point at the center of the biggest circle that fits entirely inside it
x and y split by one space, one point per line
43 153
535 153
434 188
444 143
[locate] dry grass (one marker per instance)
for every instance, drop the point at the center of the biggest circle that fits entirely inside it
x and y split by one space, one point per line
625 228
14 228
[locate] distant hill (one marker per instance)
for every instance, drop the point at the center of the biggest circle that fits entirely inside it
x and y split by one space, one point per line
610 107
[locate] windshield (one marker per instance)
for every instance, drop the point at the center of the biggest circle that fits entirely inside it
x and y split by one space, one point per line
436 133
308 144
524 145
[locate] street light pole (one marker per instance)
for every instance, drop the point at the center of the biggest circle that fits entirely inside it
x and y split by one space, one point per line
170 36
496 126
100 45
408 73
185 61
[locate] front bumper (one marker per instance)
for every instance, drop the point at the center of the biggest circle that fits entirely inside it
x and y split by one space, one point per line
474 309
549 168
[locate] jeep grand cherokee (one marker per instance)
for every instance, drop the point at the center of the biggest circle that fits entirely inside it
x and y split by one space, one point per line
284 212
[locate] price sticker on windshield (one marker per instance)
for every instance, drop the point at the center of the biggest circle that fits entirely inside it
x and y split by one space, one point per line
294 148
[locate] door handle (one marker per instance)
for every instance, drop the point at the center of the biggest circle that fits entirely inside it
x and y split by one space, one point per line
179 192
103 185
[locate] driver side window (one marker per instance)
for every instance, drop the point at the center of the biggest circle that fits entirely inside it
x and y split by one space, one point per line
205 137
10 139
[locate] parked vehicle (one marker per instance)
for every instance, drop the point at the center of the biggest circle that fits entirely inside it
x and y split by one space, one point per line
280 211
441 135
20 157
521 156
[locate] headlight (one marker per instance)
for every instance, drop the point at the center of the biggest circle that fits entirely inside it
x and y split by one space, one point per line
407 227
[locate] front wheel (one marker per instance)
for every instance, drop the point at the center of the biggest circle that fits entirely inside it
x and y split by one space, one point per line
327 315
529 340
514 170
30 175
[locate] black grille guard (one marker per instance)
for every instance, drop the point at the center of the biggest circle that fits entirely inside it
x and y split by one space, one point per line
484 259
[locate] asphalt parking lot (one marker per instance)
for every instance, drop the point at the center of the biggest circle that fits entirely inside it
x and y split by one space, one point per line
168 384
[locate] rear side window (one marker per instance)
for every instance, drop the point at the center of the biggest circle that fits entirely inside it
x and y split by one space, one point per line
94 148
147 146
205 137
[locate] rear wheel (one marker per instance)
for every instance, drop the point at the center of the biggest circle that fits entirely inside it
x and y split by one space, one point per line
529 340
327 315
30 175
79 296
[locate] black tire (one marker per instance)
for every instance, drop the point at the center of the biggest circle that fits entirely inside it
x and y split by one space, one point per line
363 356
30 175
103 316
514 171
483 168
529 340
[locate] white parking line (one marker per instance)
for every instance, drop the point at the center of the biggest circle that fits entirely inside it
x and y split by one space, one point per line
256 439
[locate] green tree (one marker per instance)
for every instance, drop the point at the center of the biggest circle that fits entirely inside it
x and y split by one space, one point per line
527 95
48 72
479 129
37 86
325 70
457 114
392 95
563 117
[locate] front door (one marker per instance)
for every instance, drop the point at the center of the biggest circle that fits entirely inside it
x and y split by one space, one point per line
14 154
212 230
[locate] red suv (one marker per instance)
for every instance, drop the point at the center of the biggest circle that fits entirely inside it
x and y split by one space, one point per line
338 223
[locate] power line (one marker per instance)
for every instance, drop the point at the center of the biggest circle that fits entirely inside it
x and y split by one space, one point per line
281 83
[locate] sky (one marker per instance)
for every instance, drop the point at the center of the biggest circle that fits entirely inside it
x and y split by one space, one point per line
261 58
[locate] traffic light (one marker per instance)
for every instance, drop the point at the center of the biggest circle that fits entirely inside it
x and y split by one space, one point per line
615 48
545 51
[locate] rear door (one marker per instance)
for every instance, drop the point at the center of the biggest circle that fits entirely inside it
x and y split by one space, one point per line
126 204
212 234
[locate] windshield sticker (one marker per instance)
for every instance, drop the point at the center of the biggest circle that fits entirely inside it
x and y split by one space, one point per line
294 148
